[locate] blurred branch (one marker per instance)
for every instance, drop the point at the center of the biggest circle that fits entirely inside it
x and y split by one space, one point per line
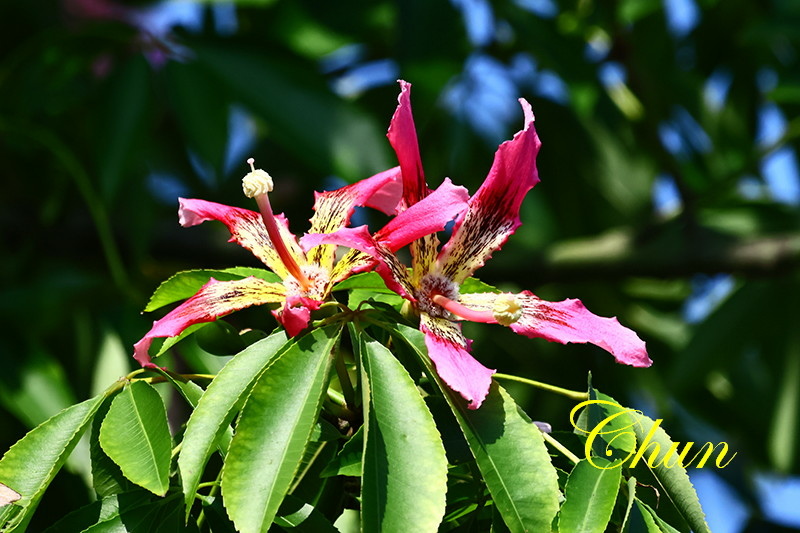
618 254
74 168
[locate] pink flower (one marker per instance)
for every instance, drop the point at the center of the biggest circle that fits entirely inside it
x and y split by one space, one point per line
433 285
307 276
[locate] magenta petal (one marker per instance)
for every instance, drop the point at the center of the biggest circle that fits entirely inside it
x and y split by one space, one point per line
246 227
426 217
454 364
213 300
570 321
402 135
493 213
296 314
387 195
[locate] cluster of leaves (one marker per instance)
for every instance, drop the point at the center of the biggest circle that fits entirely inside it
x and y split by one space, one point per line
326 425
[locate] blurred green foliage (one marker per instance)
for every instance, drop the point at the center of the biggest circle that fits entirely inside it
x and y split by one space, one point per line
103 124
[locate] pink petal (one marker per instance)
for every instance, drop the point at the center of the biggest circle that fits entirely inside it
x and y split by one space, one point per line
447 348
570 321
213 300
385 198
402 135
247 229
425 217
296 314
493 213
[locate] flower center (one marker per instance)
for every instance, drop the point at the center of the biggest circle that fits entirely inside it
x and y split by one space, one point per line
438 296
431 287
317 278
257 184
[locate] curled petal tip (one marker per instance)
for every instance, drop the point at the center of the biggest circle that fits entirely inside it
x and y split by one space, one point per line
527 111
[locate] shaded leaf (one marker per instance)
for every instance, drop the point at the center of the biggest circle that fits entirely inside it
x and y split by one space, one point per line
644 518
105 514
348 461
297 515
128 99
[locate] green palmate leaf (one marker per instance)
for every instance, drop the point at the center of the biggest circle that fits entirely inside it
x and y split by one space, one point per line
30 465
667 469
274 428
508 448
135 435
590 496
209 424
404 476
185 284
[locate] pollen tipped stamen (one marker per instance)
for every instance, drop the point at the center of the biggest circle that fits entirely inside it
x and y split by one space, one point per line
257 184
462 311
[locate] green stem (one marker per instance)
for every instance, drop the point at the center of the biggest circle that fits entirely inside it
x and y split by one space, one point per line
348 391
574 395
215 487
560 447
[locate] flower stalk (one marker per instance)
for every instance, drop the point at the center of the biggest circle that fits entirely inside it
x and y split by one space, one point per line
571 394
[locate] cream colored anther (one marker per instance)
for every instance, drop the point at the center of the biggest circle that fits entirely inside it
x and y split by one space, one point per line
507 309
256 182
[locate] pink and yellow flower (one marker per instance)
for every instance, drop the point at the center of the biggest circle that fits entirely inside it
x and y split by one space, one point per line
307 276
436 275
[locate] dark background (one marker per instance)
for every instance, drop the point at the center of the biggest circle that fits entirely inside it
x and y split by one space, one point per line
668 198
